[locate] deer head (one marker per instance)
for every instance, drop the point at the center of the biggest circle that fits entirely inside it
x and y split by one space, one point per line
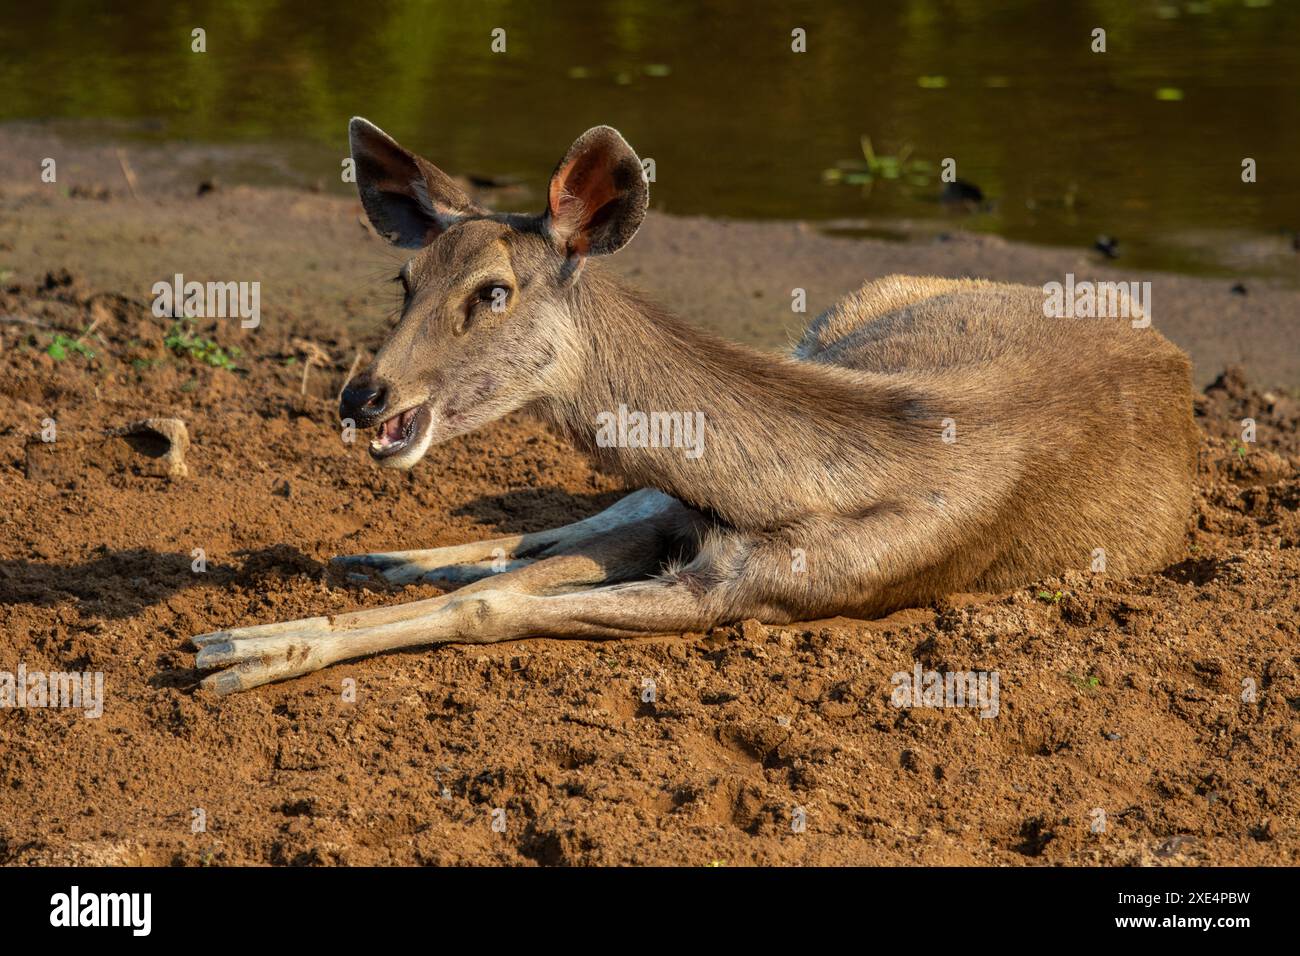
486 321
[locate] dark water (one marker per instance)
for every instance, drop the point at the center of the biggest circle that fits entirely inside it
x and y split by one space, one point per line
1064 143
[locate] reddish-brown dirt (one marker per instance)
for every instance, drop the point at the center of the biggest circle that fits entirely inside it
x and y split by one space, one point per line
1166 706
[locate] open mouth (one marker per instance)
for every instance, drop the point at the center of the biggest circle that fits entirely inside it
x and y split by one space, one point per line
401 432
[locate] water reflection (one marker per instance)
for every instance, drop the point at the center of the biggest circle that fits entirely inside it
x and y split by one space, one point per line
1143 142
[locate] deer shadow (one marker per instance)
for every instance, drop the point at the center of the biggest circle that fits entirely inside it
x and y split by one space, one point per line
535 509
118 584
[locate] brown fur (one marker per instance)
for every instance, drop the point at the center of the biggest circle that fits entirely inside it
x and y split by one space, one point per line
825 485
1071 434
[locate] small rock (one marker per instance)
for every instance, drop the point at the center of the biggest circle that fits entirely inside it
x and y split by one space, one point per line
160 445
153 447
61 279
1266 829
1176 845
96 191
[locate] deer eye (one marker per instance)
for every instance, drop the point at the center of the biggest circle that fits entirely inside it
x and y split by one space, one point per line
495 295
487 298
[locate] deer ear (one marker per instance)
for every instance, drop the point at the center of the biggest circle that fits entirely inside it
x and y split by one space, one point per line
597 197
409 200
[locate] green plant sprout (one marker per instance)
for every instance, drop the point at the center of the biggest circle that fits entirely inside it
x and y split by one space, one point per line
182 340
1090 682
61 345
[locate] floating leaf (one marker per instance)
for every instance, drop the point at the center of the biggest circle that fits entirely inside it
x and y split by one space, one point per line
932 82
1169 94
854 172
657 69
579 72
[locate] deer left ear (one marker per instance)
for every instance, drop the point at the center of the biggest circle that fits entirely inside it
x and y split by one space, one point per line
597 197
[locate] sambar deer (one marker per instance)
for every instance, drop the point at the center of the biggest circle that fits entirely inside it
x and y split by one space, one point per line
927 436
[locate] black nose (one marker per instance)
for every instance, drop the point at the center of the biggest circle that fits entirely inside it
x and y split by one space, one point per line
363 401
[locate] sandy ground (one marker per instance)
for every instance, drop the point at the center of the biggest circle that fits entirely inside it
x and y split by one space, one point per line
1166 706
735 278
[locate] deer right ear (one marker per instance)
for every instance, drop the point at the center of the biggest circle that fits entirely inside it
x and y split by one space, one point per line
409 201
597 197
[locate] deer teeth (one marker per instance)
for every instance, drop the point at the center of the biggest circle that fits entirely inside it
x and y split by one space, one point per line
394 430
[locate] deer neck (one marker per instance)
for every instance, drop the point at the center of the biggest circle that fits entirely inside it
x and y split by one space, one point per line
756 438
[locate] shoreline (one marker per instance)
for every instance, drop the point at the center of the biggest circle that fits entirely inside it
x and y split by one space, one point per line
318 264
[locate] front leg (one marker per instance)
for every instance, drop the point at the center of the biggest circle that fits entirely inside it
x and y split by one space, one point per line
892 556
465 563
814 568
634 538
